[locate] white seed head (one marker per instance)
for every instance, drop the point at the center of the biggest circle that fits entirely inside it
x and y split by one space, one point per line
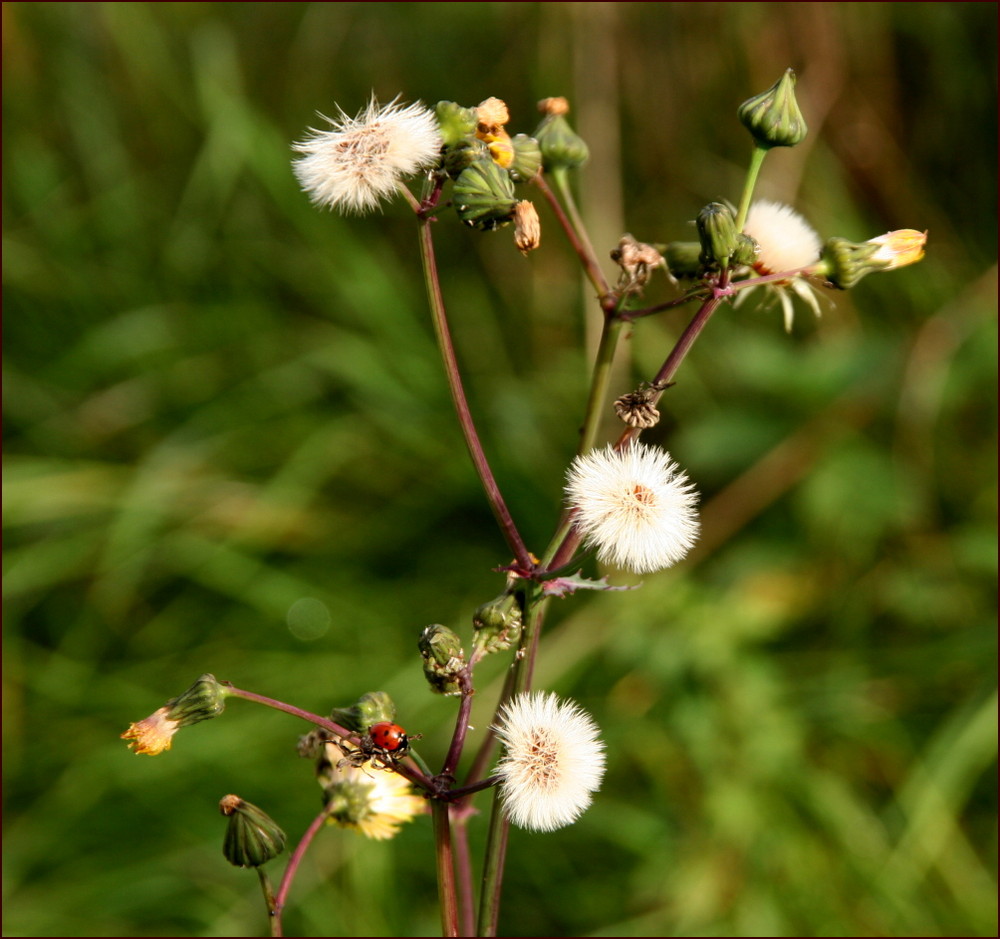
553 761
787 241
634 505
361 160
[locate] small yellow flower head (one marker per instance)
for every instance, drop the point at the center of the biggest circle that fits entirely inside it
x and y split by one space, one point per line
204 700
527 227
361 160
373 804
846 262
493 114
153 734
899 248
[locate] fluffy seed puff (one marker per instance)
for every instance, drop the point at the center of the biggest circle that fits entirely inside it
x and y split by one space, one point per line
787 243
553 761
634 505
361 160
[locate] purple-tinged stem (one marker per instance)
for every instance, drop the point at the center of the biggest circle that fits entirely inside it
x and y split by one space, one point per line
293 866
500 511
582 248
445 869
463 865
461 725
414 776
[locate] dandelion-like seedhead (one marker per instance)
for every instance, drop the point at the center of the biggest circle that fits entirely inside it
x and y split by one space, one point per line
554 760
361 160
634 505
787 241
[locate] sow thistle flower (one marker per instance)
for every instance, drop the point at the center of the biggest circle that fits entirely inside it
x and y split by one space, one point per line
554 760
634 505
153 735
361 160
374 804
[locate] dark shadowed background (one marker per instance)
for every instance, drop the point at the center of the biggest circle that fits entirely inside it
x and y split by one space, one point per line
229 448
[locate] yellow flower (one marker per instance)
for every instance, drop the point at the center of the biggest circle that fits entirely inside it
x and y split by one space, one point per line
899 248
492 115
153 734
374 803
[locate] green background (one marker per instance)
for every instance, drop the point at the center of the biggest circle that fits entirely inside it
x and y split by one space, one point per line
221 403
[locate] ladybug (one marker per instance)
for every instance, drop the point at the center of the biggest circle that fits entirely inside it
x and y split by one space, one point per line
385 745
389 737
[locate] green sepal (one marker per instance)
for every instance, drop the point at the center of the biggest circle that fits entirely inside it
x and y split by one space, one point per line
484 195
527 158
252 836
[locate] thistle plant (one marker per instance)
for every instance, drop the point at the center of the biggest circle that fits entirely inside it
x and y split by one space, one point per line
625 500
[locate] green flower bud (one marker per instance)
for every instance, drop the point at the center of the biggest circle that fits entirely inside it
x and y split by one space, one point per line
484 195
458 130
204 700
746 250
457 124
683 258
527 158
562 147
252 836
371 708
497 624
444 659
774 118
717 231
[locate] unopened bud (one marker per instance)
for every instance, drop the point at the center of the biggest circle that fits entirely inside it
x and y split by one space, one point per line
527 158
370 708
204 700
497 624
774 118
458 134
252 836
746 251
484 195
455 122
528 227
444 659
562 147
717 231
683 258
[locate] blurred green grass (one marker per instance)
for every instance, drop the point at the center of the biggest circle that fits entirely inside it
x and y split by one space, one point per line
219 402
